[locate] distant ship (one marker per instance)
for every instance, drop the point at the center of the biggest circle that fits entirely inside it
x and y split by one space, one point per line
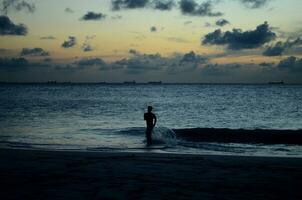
51 82
130 82
155 82
276 83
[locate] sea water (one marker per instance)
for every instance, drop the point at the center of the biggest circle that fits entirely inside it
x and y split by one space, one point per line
104 117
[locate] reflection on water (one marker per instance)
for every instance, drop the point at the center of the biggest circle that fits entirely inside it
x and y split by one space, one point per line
100 116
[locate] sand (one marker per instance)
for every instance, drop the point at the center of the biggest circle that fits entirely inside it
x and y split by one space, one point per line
32 174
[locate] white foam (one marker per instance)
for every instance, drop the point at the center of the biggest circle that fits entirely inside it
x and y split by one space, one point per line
163 135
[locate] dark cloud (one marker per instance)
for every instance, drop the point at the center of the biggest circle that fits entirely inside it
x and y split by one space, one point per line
69 10
23 5
254 3
212 69
128 4
98 63
93 16
153 29
222 22
193 58
86 47
7 27
142 63
69 43
13 63
90 62
17 5
276 50
2 50
163 5
188 62
34 52
279 48
133 51
47 38
47 60
237 39
190 7
266 64
291 64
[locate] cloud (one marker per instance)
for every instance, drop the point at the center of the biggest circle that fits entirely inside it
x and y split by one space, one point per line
13 63
176 39
47 38
7 27
86 47
33 52
222 22
143 63
207 24
253 4
93 16
237 39
193 58
128 4
291 64
98 63
90 62
279 48
116 17
163 5
133 51
69 10
70 42
153 29
23 5
188 22
47 60
266 64
219 69
190 7
17 5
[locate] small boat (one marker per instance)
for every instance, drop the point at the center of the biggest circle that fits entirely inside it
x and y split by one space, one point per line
130 82
155 82
276 83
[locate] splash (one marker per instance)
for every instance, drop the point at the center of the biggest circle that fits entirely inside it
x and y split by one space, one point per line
163 135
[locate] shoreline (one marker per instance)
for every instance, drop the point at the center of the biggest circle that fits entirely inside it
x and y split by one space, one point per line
145 151
36 174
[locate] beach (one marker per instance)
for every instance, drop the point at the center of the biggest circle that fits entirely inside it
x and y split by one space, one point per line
36 174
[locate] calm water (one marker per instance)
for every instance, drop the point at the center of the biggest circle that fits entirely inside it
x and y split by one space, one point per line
110 117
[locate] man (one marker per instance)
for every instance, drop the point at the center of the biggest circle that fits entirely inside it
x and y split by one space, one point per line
150 119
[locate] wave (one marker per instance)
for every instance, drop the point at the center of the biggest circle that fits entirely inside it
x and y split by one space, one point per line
160 135
223 135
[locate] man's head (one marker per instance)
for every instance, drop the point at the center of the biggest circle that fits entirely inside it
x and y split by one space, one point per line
150 108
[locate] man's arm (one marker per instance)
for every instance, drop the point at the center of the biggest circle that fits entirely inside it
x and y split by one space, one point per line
155 120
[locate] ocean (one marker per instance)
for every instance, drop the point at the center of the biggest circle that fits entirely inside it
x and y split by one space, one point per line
109 117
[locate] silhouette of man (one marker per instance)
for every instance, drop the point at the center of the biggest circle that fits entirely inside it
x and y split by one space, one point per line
150 119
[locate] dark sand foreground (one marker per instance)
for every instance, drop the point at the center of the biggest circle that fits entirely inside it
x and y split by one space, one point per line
29 174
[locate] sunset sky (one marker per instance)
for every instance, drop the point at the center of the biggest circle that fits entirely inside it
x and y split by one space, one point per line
191 41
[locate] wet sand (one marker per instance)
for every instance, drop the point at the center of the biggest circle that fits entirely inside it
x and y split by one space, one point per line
32 174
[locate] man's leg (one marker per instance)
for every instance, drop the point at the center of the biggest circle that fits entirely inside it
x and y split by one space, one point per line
148 136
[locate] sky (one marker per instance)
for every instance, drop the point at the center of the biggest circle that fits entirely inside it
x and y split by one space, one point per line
173 41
